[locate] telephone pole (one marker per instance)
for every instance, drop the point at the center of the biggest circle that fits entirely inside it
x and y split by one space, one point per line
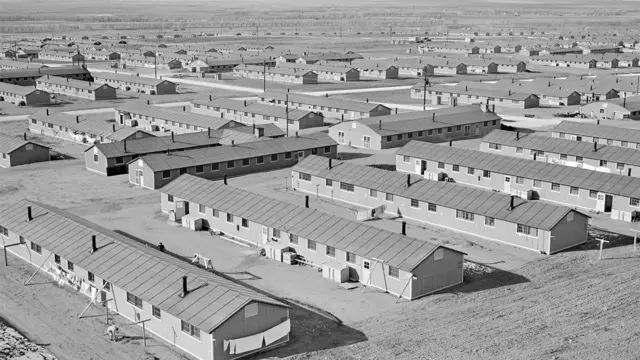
286 104
257 38
424 90
155 65
264 75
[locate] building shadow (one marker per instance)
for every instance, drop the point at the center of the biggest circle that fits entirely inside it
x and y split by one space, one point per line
352 155
389 167
480 277
313 329
615 240
243 275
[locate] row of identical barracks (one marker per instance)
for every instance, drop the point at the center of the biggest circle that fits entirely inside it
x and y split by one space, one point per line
329 107
591 156
205 315
395 263
596 133
438 125
534 225
617 195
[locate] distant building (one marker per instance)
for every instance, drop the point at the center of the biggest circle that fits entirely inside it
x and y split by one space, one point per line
23 95
84 131
76 88
155 118
137 84
27 77
154 171
258 114
329 107
284 75
326 72
385 132
456 95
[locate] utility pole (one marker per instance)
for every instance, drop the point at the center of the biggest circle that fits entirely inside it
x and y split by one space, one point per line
424 91
155 66
390 32
264 75
286 104
257 38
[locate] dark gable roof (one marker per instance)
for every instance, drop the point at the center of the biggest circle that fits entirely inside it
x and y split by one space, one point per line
9 144
149 274
530 169
355 237
78 84
195 157
38 72
564 146
159 144
537 214
423 120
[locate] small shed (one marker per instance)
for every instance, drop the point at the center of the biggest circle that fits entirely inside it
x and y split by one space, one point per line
335 271
274 250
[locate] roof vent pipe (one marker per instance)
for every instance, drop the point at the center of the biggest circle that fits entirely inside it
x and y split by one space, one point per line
172 138
408 180
517 135
125 144
184 286
29 217
233 143
225 179
47 111
595 147
535 156
306 201
380 124
209 97
629 172
450 143
209 132
433 117
184 108
245 103
148 102
511 202
77 119
94 247
24 136
404 228
598 123
296 134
